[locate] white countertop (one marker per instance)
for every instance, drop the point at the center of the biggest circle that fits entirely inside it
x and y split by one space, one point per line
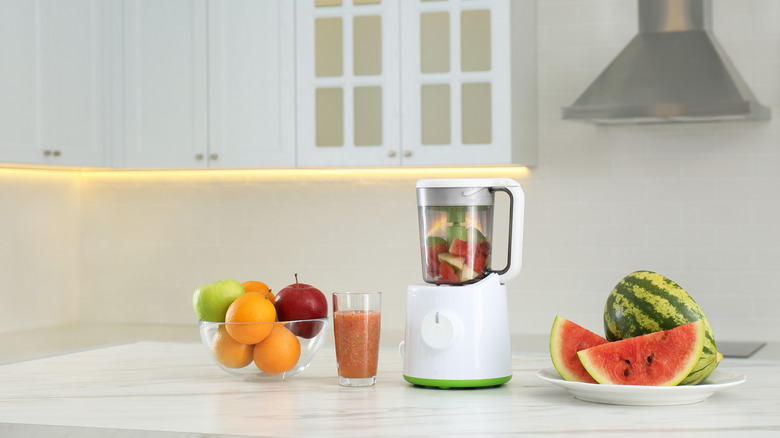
163 388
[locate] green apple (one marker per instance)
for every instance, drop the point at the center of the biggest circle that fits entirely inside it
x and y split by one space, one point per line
212 300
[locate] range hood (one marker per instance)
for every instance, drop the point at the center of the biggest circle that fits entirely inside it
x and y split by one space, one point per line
672 71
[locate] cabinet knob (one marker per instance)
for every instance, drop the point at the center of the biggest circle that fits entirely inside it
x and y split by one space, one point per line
407 153
391 153
213 156
56 153
47 153
198 156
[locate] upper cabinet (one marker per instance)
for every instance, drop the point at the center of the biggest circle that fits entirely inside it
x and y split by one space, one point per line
252 83
52 60
415 82
206 84
267 83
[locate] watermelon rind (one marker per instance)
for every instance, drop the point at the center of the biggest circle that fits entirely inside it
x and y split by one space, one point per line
655 359
646 302
566 338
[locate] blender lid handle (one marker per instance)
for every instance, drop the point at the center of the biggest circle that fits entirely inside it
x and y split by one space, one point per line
516 209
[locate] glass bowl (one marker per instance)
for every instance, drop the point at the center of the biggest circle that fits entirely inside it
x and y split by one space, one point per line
276 354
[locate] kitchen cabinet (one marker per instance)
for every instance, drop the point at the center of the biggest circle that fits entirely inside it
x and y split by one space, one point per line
52 60
206 84
415 83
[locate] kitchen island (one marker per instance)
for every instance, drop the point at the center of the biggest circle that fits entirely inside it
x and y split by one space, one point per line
173 389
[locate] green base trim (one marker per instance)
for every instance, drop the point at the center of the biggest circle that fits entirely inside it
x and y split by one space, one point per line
447 384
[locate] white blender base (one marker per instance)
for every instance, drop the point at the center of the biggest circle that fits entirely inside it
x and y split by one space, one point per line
457 336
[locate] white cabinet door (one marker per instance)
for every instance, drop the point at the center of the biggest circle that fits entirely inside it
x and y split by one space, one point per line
51 80
411 83
347 83
164 77
251 83
208 83
456 83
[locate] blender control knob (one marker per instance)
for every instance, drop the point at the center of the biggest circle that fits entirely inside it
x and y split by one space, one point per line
438 330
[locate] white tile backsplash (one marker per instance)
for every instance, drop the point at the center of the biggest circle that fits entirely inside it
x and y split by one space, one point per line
39 249
699 203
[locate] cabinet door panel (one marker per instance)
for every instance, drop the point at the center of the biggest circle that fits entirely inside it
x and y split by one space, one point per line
76 109
251 83
20 86
456 96
51 64
165 83
347 83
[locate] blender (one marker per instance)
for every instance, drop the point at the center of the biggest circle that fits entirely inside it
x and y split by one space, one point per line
457 325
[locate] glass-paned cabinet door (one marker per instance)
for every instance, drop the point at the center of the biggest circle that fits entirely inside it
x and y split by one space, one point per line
456 83
347 82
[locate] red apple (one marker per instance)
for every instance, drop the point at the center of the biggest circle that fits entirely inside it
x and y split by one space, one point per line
301 301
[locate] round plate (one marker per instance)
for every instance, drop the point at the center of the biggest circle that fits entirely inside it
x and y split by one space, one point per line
644 395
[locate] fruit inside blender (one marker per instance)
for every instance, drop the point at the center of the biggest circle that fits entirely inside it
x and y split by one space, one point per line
456 243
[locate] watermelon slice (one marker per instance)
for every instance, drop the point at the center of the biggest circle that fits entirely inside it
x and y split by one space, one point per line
566 339
447 273
657 359
459 248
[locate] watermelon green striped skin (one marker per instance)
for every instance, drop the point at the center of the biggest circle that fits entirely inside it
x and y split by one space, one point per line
646 302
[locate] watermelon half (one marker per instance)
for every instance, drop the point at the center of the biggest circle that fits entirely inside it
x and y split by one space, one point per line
645 302
656 359
566 339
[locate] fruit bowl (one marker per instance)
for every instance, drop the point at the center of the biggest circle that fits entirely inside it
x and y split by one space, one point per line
288 348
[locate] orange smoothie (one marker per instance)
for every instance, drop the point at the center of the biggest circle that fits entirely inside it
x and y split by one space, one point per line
357 342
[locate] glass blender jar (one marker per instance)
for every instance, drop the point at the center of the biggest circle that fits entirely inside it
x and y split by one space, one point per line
456 229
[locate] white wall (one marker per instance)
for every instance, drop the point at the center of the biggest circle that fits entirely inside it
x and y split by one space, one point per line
697 202
39 249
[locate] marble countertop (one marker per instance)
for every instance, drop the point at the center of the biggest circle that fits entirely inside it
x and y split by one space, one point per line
173 389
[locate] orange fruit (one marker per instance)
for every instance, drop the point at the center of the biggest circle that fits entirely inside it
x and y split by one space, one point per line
248 308
228 351
259 287
279 352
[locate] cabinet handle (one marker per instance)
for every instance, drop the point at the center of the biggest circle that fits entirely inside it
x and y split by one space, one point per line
391 153
47 152
407 153
213 156
198 156
56 153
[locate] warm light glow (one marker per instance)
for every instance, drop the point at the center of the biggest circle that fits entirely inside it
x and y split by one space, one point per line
37 172
332 173
359 173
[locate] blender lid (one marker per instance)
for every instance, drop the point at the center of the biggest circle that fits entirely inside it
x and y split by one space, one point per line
466 182
459 191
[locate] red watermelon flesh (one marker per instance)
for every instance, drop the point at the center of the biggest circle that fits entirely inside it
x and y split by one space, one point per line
566 339
662 358
447 273
459 248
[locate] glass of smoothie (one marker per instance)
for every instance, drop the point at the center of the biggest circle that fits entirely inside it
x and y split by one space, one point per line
356 320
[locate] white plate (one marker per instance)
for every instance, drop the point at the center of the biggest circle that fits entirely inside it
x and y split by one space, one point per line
644 395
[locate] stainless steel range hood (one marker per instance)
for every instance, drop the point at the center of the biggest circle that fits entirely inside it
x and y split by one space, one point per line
672 71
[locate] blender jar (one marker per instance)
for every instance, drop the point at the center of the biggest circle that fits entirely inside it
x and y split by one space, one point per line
455 233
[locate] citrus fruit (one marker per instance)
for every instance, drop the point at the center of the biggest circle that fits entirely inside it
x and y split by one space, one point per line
259 287
228 351
246 309
278 352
